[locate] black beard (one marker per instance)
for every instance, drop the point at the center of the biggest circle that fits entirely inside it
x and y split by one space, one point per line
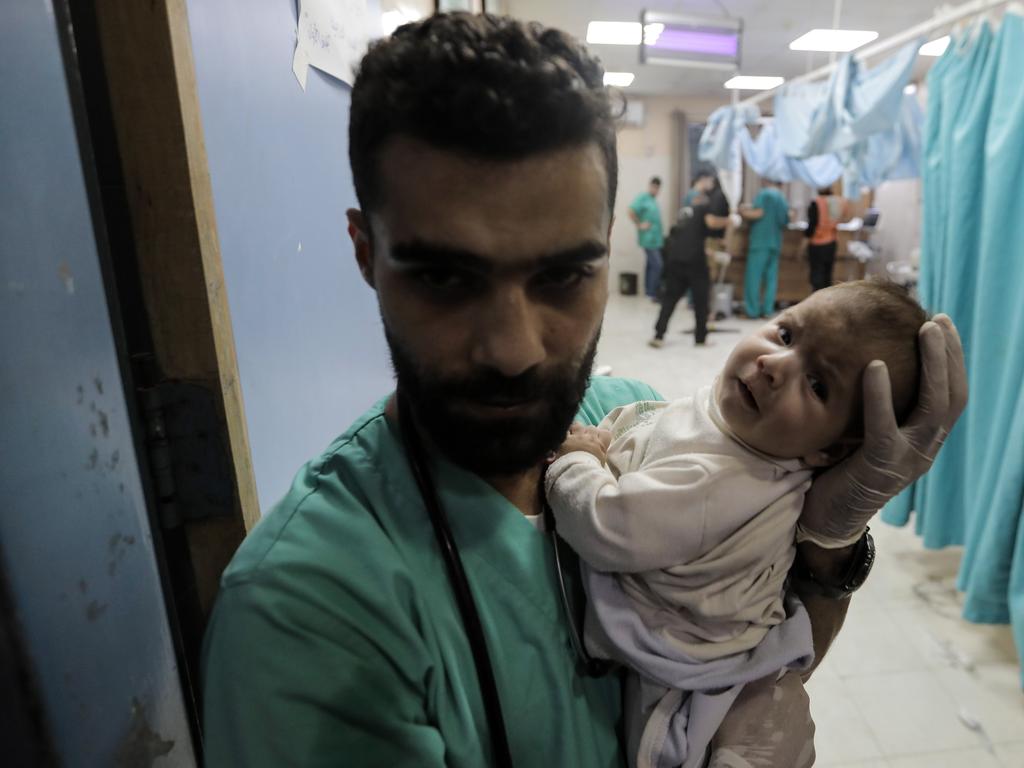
501 446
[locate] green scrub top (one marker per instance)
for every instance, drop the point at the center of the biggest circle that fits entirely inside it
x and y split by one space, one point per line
766 232
646 209
336 639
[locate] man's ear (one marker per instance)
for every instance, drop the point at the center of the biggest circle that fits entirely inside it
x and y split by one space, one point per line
359 231
831 455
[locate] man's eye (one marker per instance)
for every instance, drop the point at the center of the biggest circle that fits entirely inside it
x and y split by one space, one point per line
785 336
441 279
562 277
818 388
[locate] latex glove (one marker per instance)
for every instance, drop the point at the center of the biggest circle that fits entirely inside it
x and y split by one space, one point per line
736 219
842 501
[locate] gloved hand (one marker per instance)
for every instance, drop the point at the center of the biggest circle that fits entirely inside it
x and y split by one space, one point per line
736 220
842 501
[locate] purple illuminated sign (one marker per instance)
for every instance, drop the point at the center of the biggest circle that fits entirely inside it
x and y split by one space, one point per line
694 41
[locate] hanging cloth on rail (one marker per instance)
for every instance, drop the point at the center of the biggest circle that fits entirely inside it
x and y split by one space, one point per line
720 140
889 155
764 155
856 102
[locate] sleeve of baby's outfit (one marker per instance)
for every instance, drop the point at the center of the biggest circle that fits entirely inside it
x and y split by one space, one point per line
646 520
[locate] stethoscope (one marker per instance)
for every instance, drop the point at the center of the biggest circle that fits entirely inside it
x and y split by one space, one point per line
471 623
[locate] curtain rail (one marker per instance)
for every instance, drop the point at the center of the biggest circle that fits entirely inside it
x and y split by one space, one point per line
974 8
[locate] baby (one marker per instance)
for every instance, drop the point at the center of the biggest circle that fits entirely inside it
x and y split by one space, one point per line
686 513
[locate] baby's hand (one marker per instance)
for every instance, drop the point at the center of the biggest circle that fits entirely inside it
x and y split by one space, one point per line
583 438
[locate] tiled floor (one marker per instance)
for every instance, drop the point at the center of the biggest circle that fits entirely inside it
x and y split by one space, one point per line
908 683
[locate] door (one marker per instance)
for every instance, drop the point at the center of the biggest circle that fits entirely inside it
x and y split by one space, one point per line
76 545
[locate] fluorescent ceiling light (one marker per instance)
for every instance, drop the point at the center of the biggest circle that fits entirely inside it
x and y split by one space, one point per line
619 79
622 33
935 47
652 33
754 83
833 40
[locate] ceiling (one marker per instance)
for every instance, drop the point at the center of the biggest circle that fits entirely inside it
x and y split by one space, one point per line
769 27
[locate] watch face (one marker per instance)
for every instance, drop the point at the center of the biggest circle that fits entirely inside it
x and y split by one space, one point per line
864 560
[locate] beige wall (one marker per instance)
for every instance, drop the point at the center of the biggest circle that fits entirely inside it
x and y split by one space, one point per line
645 152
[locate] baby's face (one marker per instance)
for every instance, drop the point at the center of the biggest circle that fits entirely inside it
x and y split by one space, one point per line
790 389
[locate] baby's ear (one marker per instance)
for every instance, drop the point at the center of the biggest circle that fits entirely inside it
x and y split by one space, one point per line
831 455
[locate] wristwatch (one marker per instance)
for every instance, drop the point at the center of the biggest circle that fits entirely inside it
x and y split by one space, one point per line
861 561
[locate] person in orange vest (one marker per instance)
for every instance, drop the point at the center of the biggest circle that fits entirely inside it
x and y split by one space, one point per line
823 215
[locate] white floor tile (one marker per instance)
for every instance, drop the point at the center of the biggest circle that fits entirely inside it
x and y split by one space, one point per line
989 695
904 567
910 713
1011 755
943 639
969 758
871 643
841 733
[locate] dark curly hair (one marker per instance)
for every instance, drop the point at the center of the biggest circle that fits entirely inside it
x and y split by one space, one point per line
885 320
484 85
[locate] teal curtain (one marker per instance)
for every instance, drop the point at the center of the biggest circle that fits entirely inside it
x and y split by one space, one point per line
972 267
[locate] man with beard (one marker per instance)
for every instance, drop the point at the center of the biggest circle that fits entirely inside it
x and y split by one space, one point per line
483 153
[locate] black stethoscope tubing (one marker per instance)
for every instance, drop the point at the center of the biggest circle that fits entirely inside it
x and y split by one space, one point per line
460 585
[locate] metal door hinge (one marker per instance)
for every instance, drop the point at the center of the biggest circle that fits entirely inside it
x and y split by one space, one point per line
190 463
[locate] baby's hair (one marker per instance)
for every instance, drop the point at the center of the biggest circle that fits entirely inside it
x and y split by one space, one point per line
887 320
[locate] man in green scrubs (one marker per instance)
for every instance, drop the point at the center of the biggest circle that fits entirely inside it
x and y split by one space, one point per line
483 153
770 215
644 213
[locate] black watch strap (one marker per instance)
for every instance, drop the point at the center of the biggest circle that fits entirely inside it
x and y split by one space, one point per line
861 561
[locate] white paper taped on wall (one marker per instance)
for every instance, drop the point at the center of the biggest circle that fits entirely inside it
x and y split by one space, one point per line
332 36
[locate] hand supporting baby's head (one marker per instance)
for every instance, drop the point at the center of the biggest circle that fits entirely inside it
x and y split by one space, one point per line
793 388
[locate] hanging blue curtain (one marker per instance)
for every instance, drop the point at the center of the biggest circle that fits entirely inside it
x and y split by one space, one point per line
720 140
764 154
972 267
869 130
856 102
888 155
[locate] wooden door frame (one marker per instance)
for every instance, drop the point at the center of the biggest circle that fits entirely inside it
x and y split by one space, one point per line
166 279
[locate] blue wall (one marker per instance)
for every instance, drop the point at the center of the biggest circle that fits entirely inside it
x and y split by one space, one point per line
75 540
311 354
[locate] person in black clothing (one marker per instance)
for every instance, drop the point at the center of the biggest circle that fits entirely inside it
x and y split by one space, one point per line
824 214
718 206
686 266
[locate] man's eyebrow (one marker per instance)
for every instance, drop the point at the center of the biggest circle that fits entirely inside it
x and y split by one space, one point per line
420 253
581 254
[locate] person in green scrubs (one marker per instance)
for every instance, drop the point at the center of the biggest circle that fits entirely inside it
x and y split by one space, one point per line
483 154
769 216
646 215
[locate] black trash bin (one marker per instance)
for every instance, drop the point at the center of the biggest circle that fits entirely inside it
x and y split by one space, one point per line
628 283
